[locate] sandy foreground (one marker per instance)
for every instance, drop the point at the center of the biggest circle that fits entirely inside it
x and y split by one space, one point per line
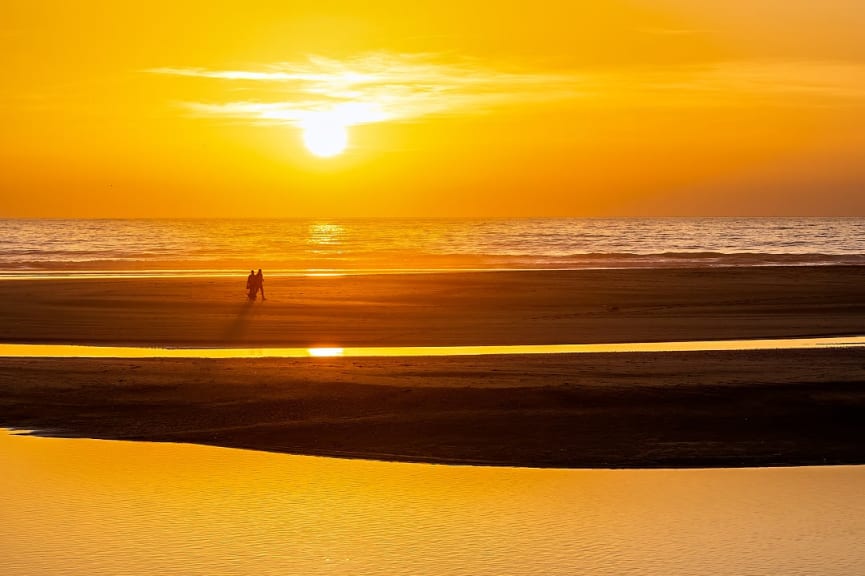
585 410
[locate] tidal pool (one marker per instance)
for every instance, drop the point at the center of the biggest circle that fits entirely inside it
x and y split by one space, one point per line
20 350
92 507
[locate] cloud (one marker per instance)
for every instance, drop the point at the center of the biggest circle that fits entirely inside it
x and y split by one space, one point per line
398 87
746 84
775 79
377 87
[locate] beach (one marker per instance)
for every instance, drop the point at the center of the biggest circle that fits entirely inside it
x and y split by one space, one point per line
735 408
441 309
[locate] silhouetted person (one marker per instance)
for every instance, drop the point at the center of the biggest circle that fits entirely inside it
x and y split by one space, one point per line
251 289
259 284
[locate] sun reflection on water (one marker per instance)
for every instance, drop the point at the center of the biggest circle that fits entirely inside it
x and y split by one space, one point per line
325 352
323 233
313 274
12 350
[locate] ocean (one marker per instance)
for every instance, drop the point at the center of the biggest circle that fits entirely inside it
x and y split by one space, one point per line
289 246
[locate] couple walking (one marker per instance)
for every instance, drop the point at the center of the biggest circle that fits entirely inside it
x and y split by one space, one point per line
254 283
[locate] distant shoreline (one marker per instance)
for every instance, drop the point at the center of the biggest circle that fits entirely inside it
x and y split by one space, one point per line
177 273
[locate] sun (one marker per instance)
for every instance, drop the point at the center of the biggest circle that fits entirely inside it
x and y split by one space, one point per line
325 137
325 132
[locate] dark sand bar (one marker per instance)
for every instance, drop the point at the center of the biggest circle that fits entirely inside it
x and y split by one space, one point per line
589 410
737 408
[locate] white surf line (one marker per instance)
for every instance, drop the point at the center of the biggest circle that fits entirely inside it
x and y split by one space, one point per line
84 351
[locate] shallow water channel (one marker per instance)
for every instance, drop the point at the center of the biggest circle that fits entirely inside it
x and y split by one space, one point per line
77 506
87 351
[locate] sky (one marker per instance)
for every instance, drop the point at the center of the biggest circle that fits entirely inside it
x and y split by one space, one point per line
579 108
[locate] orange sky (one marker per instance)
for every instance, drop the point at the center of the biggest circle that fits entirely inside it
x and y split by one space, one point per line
614 108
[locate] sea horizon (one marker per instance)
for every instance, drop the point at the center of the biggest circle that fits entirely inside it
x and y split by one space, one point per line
288 246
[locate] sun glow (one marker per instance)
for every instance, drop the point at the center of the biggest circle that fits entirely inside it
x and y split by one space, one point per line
325 134
325 138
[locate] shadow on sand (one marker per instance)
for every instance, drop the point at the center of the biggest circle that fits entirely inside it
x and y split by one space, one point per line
239 325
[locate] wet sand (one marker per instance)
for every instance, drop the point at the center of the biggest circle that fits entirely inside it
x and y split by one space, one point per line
589 410
542 307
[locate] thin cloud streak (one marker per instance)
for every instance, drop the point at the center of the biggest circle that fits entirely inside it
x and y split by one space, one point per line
378 87
834 79
399 87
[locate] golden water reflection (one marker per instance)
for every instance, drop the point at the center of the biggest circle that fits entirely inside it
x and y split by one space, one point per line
76 507
326 352
85 351
325 234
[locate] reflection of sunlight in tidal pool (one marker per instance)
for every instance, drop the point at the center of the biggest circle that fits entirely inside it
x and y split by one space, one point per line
325 352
